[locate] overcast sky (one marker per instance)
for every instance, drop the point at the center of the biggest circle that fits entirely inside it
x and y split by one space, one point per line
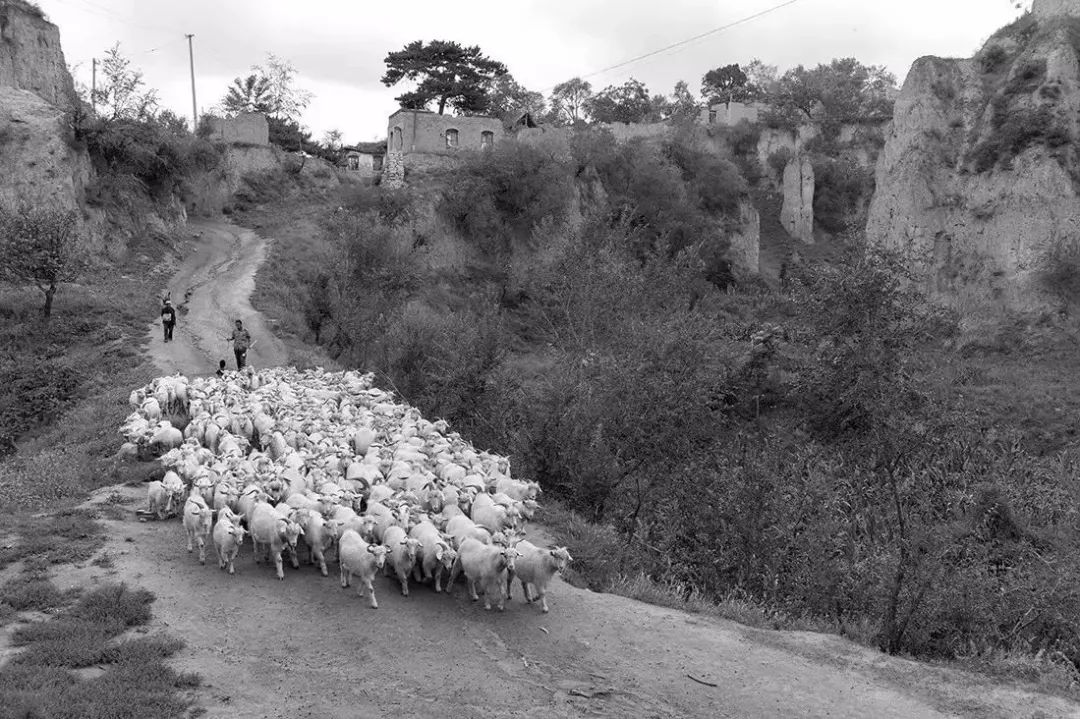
338 45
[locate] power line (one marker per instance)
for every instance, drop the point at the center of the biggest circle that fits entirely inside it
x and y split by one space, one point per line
687 41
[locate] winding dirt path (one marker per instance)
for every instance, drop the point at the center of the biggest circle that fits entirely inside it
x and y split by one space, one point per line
212 287
304 647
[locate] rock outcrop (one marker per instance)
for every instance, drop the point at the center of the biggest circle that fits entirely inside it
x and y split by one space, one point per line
797 214
744 249
977 185
38 162
30 55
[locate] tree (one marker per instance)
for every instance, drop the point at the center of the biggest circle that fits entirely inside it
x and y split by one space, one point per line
843 90
629 102
761 77
569 100
683 106
332 140
445 73
508 98
39 246
287 101
249 94
725 84
120 93
287 134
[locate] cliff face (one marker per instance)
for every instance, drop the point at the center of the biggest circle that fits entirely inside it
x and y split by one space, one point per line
31 57
977 185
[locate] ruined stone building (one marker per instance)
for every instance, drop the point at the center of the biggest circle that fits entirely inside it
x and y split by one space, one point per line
420 140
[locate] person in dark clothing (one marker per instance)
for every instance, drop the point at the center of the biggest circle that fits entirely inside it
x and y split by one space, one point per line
241 340
168 319
221 368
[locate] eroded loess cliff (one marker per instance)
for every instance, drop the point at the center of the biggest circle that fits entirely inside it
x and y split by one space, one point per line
977 185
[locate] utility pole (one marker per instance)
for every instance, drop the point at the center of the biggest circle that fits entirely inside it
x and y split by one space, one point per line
93 84
194 111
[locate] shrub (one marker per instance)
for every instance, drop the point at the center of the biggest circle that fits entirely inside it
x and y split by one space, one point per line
993 59
1016 131
392 206
778 161
841 190
503 193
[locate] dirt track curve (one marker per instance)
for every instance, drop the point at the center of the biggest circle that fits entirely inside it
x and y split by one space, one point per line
304 647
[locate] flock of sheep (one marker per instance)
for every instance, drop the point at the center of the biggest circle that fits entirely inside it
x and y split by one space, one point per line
324 460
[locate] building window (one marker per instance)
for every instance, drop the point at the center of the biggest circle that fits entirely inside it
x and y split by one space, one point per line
395 139
712 116
354 163
376 163
451 138
487 139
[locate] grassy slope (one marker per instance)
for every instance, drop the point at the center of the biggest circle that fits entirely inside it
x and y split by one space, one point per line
94 342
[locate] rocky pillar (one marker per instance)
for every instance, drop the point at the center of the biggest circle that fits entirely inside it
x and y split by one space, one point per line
797 214
393 175
744 249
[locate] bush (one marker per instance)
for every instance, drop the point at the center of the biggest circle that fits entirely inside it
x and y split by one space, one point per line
1016 131
841 190
778 161
392 206
502 193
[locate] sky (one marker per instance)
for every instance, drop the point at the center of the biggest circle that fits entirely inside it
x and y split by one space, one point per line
338 46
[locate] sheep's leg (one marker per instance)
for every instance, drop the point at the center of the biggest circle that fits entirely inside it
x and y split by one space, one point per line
322 564
472 591
232 570
525 590
190 540
438 579
202 550
417 573
453 575
403 577
371 592
279 564
344 575
542 591
256 546
293 554
220 556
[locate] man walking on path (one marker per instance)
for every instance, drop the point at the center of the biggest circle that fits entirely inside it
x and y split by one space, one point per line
168 319
241 340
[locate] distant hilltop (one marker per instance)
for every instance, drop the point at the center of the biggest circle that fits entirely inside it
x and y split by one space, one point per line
1055 8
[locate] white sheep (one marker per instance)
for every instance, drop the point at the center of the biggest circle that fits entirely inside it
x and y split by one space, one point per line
459 528
535 566
484 565
403 550
228 536
436 555
268 527
198 520
319 536
357 557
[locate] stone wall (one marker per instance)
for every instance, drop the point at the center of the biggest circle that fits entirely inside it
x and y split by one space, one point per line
393 175
730 113
745 242
31 57
247 128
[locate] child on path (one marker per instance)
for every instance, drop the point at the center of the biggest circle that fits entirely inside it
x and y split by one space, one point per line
221 368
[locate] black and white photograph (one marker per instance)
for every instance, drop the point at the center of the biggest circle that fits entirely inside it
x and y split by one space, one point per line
695 359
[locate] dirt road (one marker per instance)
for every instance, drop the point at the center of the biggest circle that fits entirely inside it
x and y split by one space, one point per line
304 647
214 284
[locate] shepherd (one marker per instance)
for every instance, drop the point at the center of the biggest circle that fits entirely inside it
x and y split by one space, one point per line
168 318
241 340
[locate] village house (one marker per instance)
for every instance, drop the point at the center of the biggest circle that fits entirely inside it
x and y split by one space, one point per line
365 158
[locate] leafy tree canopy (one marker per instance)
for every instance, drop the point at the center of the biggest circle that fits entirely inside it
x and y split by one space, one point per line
629 102
569 100
445 73
840 91
121 93
287 101
727 83
39 246
508 97
249 94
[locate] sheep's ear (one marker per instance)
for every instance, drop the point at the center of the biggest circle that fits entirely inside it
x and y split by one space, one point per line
371 548
404 542
438 553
